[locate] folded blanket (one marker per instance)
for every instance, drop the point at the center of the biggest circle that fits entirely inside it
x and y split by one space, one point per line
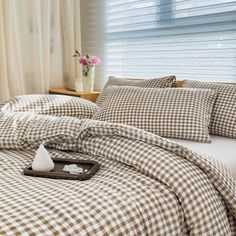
201 192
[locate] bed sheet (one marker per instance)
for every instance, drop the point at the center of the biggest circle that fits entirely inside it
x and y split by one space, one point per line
221 148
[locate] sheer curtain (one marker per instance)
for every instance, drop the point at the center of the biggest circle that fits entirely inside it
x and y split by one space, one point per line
189 38
37 41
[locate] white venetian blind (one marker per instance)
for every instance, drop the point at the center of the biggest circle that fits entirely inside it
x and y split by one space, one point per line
189 38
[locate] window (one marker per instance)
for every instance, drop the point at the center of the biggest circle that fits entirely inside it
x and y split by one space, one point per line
189 38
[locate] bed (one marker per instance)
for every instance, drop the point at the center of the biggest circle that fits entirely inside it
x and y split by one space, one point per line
147 184
220 148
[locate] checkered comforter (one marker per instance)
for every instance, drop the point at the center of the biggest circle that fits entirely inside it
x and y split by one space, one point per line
147 185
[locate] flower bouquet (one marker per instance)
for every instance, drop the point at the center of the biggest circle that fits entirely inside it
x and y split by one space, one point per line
88 63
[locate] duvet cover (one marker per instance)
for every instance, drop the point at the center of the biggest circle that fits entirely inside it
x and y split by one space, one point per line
147 185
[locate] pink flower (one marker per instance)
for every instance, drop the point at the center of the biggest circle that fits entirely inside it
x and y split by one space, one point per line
94 60
89 61
83 60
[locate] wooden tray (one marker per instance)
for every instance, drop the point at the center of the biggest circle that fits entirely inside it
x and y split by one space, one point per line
58 173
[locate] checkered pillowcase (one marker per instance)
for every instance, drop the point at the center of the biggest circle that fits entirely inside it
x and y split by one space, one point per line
56 105
164 82
223 119
176 113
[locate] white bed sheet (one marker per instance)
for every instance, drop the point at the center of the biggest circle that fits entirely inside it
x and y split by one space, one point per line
221 148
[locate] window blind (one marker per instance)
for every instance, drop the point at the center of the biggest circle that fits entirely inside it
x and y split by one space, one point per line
188 38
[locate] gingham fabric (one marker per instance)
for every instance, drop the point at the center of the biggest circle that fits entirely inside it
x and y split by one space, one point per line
147 185
56 105
51 127
164 82
223 119
176 113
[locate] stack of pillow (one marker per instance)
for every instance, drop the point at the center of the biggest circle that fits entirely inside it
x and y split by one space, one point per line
192 112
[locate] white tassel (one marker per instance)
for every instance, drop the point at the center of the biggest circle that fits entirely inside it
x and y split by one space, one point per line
42 161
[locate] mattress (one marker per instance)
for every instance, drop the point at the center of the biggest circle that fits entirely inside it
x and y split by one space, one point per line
221 148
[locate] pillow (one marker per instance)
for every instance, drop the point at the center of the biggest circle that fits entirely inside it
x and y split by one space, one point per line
164 82
223 119
56 105
175 113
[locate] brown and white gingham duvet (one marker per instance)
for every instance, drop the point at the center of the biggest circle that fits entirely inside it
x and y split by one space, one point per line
147 185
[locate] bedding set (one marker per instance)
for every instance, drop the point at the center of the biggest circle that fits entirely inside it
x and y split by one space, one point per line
221 148
147 184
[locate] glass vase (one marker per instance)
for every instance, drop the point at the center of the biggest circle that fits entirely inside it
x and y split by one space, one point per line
88 80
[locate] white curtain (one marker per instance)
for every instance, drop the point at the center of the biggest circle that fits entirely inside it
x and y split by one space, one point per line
37 41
